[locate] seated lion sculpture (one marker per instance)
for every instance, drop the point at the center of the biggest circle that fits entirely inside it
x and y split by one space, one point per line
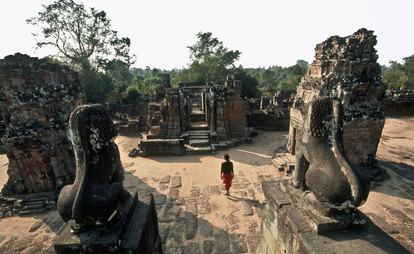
321 165
97 191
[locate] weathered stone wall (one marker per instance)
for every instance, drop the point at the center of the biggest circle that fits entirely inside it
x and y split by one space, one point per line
2 125
132 110
264 121
37 99
170 124
130 119
289 227
235 108
347 68
273 117
219 111
151 147
153 120
399 103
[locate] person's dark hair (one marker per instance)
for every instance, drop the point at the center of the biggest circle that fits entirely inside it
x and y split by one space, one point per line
226 156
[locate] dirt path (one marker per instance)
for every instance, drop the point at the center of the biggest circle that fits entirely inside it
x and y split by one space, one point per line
391 202
210 220
195 216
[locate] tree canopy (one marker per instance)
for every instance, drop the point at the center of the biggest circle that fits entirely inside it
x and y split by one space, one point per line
80 35
210 60
85 40
400 75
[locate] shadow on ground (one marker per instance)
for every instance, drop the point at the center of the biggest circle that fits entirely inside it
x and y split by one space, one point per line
400 183
180 226
243 153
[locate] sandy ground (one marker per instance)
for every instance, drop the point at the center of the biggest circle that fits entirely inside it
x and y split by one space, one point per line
390 203
230 224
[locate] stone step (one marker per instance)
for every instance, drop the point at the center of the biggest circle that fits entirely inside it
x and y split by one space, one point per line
198 117
194 137
32 211
198 125
199 142
199 137
198 133
33 206
199 128
198 150
198 113
36 202
284 162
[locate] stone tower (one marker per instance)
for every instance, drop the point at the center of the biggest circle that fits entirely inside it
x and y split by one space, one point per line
37 97
347 68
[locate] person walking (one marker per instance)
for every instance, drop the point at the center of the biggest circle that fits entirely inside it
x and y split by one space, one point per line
226 173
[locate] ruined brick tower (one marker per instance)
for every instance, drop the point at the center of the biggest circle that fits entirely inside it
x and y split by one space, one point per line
347 68
36 99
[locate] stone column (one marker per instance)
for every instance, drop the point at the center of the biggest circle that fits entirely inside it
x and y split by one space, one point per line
222 120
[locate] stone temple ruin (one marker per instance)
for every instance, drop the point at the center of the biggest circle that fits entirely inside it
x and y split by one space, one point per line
36 98
399 102
270 114
335 127
196 118
335 120
346 68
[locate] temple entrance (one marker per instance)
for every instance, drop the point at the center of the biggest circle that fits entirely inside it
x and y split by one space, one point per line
198 117
199 131
196 113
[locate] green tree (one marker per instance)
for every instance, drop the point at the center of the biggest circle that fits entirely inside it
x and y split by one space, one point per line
83 38
249 83
210 60
400 75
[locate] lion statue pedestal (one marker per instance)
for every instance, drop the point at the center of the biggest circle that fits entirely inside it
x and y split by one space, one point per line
102 216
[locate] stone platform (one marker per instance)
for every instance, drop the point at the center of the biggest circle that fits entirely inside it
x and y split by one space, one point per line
288 229
135 232
152 147
284 162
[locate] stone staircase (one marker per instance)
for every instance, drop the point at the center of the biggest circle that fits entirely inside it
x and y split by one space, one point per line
199 140
37 203
198 116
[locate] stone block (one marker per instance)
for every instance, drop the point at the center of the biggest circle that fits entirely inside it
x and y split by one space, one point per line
37 97
151 147
135 232
285 228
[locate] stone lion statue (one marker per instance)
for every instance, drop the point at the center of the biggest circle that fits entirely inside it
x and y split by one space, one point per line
97 191
321 165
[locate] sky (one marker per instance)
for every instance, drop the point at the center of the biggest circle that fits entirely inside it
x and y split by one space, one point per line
267 32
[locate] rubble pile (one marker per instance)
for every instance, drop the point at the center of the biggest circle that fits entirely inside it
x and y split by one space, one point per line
283 99
130 119
37 99
8 206
274 116
347 68
399 102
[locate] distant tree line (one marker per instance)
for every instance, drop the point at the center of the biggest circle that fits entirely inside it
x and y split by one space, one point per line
85 40
399 76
